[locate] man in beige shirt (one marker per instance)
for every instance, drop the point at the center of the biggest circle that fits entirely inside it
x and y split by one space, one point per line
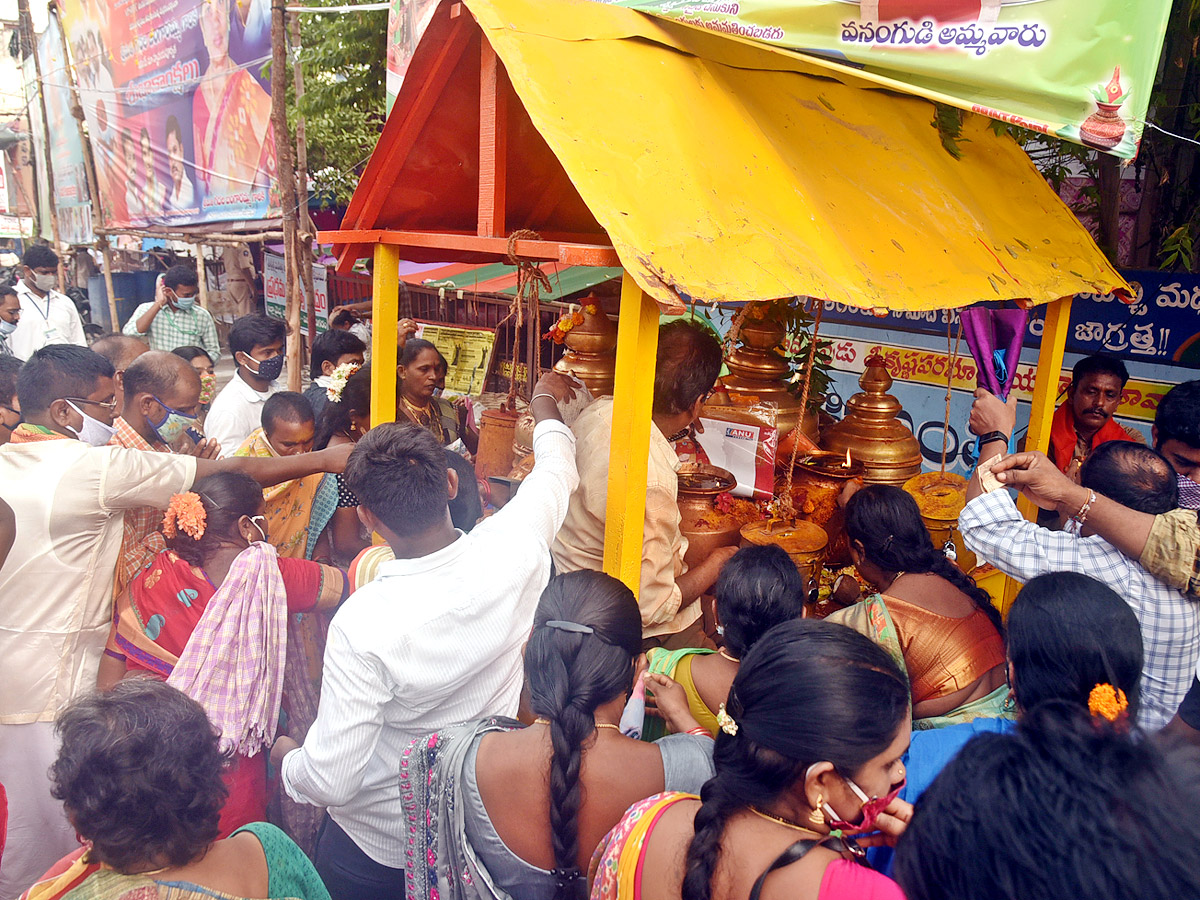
689 360
69 493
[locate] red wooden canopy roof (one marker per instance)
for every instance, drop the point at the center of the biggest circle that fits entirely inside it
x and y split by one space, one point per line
459 167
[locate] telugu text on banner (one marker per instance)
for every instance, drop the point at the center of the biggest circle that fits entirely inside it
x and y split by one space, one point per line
1080 70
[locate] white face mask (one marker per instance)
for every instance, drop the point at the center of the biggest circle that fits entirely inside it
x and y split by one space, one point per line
93 432
44 283
7 327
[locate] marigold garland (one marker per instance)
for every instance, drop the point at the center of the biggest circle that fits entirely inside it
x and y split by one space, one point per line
185 513
1108 702
569 320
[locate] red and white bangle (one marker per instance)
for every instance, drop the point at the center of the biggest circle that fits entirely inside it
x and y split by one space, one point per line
700 731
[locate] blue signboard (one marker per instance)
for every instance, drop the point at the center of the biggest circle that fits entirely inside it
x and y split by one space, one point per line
1161 326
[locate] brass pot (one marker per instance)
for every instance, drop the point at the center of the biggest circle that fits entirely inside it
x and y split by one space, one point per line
597 370
804 542
761 334
757 364
941 498
595 334
872 432
496 431
705 528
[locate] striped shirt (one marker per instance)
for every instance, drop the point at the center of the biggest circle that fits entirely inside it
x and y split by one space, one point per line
994 530
173 328
430 642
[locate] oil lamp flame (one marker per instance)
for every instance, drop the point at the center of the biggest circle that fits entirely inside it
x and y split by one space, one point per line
848 463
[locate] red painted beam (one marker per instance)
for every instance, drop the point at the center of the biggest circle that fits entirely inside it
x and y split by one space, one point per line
493 142
571 254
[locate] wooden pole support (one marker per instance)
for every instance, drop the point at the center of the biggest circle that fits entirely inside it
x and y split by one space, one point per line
633 402
1045 392
385 314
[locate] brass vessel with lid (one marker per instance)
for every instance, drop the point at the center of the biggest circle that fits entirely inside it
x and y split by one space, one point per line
872 432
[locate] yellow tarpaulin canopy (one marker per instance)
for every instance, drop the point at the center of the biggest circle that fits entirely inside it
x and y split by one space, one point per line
725 171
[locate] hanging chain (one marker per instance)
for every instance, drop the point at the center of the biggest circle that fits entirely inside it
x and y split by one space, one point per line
953 355
786 507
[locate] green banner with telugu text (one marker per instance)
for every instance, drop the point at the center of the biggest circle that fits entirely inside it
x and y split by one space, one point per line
1080 70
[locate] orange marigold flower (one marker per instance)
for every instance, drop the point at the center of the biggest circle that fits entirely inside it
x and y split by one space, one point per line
577 318
185 513
1108 702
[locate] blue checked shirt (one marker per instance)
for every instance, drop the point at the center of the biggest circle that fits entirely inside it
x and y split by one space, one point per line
993 528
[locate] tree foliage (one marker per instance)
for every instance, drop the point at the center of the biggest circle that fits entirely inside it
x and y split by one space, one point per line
344 59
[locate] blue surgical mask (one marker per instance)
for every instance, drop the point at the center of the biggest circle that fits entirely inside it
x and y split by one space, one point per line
7 327
173 425
184 303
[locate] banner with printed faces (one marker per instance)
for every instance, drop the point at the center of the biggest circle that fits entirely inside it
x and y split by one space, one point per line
178 108
1080 70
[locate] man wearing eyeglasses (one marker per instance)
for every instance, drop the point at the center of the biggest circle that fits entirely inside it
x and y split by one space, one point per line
70 500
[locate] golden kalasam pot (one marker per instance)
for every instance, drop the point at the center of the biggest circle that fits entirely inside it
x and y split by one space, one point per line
941 499
705 528
804 542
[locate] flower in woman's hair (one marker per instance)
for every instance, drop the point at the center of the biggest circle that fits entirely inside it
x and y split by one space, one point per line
338 379
1107 702
185 513
725 720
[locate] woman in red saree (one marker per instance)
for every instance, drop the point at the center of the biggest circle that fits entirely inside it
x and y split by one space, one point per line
217 557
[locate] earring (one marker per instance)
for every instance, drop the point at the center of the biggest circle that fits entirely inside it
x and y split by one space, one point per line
816 816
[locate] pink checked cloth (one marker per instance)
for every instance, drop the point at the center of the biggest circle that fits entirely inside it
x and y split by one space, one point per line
233 662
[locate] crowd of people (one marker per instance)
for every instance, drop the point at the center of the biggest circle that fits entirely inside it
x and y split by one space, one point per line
254 644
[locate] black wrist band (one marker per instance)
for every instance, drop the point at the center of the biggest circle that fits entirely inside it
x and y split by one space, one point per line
993 436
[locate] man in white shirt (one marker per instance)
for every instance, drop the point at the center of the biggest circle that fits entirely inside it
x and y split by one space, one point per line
257 344
70 492
47 317
435 639
10 315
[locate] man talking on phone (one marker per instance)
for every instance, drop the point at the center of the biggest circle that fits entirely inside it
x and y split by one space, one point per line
173 319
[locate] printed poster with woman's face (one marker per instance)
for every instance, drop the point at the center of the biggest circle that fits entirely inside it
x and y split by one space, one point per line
177 108
1080 70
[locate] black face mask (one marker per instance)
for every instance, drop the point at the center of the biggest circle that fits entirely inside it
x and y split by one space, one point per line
268 369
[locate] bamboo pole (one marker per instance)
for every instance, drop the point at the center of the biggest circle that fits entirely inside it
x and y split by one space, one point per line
89 168
28 39
202 275
213 239
307 231
286 173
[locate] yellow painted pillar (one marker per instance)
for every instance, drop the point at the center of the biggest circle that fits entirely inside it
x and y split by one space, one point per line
385 313
633 400
1045 392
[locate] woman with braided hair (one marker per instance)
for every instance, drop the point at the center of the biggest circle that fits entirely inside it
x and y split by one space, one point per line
938 625
493 810
807 754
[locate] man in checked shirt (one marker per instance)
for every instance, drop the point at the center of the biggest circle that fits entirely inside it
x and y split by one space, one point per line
1130 474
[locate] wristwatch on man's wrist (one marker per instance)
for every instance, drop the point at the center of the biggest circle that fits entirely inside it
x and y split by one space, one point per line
993 436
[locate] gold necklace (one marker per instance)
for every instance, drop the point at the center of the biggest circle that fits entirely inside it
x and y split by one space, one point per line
597 724
786 823
732 659
417 409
